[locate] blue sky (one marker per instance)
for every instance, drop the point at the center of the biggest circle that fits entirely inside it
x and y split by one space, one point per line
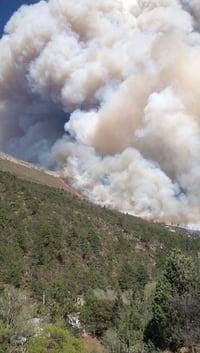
7 7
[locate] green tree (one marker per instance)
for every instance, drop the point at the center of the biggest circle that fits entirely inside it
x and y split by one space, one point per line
96 314
189 315
54 339
141 276
126 276
17 315
130 321
175 290
111 341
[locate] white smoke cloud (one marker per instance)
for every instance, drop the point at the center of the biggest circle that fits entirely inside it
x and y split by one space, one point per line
108 92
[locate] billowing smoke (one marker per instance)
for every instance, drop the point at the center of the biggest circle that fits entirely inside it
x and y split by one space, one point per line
108 91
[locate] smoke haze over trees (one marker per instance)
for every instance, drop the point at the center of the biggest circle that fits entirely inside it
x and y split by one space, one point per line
107 92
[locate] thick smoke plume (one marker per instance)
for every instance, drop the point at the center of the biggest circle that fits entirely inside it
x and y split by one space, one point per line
108 92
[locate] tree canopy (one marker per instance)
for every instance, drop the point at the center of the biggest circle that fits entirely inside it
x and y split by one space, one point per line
176 306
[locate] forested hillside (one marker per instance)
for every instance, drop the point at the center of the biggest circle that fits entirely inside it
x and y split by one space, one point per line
62 258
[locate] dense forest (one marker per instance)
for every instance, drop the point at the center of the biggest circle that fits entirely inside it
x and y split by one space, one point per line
69 269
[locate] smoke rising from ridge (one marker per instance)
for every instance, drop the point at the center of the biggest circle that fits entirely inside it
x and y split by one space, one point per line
108 92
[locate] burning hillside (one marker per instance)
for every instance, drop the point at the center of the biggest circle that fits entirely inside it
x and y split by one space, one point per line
107 92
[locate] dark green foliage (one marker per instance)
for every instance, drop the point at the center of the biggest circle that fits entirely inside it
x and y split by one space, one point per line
57 246
49 234
176 305
188 308
97 314
141 276
126 278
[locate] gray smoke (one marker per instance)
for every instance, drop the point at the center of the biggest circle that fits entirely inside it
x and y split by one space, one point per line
108 92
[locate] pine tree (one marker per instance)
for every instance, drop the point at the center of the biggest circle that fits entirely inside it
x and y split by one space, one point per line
175 298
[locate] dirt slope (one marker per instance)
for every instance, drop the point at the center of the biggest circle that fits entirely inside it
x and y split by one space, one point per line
30 172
